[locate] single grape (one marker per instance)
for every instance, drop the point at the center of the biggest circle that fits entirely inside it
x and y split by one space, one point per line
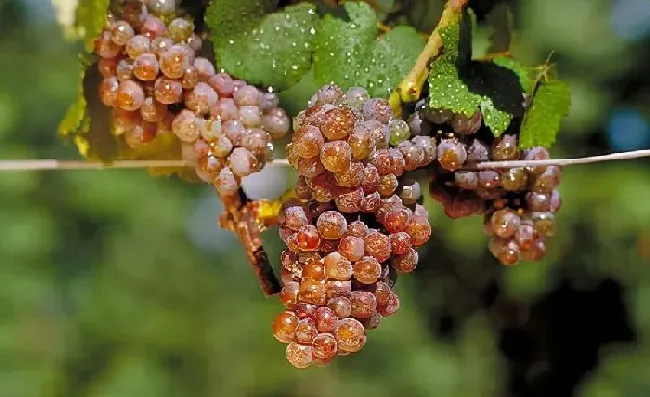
201 98
295 217
161 44
140 134
377 109
306 331
326 319
405 263
223 84
145 67
419 230
313 268
466 179
370 180
284 326
153 27
409 191
168 91
350 335
108 90
367 270
124 69
387 185
268 101
414 156
289 294
276 122
226 109
547 180
336 156
399 131
185 126
338 123
242 161
364 304
337 267
309 141
352 177
328 94
525 236
355 97
129 95
226 182
341 306
250 116
465 125
544 224
418 125
489 179
400 243
174 61
121 33
137 45
391 306
324 346
300 356
505 147
428 146
180 29
371 202
105 47
397 219
451 154
361 144
351 247
514 179
247 96
308 238
477 152
377 245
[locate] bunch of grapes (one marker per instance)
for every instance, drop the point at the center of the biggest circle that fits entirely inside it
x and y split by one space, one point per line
156 83
348 234
518 203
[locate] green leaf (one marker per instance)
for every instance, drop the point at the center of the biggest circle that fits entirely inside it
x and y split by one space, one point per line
76 120
273 49
349 53
464 87
550 103
91 17
525 74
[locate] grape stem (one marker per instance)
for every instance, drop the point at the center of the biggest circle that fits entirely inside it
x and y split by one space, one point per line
410 88
49 164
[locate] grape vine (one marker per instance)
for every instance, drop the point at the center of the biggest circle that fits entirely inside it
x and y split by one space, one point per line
389 112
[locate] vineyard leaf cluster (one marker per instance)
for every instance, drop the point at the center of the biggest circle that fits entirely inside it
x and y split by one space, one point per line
277 49
349 53
273 49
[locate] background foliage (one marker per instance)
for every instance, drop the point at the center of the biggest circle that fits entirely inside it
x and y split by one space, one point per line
119 284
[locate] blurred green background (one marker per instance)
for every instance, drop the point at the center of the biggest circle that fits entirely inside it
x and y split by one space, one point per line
117 284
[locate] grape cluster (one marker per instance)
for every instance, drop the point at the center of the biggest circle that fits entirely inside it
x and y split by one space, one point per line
349 233
518 203
156 83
